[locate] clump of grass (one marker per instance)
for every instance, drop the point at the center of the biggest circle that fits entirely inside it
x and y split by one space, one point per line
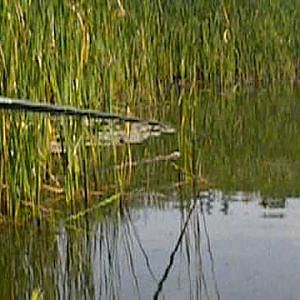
110 55
103 54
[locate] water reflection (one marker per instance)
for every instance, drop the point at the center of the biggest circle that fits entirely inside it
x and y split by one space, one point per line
218 245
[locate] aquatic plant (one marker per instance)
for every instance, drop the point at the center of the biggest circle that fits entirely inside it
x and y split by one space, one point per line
141 58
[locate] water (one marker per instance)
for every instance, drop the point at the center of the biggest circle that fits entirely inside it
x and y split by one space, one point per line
234 234
232 247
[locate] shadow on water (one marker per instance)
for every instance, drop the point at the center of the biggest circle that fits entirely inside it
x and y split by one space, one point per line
219 223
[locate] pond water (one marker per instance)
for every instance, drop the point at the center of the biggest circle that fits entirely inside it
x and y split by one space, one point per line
217 246
233 234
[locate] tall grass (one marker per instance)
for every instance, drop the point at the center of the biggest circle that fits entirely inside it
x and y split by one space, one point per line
102 54
122 57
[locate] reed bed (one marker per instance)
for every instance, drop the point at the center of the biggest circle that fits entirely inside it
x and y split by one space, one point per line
143 58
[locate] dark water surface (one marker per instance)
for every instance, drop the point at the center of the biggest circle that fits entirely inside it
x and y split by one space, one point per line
236 236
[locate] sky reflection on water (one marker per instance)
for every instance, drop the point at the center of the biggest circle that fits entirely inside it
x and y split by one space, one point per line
247 251
161 246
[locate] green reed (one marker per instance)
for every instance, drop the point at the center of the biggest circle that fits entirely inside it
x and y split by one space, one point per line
103 54
247 142
141 56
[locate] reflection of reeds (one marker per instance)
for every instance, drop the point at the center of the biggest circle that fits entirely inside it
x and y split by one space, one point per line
250 142
173 253
101 253
196 251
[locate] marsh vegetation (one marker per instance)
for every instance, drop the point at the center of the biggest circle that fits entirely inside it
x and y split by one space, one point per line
156 60
225 74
